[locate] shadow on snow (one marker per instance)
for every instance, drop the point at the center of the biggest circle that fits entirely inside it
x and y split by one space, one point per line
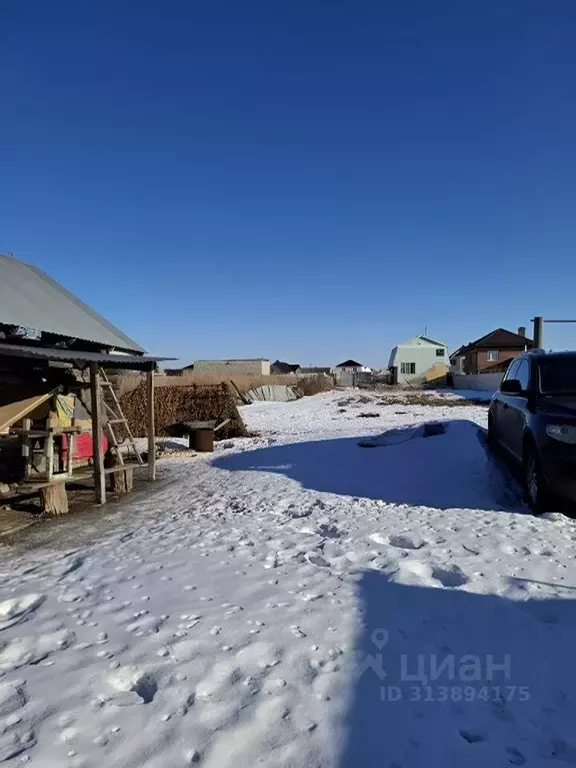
451 470
505 694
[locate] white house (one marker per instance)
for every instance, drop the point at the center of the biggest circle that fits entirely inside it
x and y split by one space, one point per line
346 372
418 359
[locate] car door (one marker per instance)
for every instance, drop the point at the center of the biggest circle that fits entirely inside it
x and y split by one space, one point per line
501 406
516 412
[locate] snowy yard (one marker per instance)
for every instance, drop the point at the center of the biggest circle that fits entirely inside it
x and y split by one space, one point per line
298 600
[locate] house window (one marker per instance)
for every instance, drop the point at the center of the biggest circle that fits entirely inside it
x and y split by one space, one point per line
408 368
439 353
492 355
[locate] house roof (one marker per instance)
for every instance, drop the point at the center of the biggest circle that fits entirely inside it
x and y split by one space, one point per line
497 339
458 352
29 298
412 342
432 341
281 367
349 364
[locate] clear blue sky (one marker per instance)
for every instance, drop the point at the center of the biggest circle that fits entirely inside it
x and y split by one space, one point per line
310 180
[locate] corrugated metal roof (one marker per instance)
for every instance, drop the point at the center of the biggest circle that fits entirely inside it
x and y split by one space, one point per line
72 355
31 299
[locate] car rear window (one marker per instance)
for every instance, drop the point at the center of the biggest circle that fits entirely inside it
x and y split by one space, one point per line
558 375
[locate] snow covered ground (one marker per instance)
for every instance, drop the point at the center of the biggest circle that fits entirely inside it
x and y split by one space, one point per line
298 600
465 394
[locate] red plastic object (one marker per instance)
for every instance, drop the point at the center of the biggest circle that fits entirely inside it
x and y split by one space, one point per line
83 449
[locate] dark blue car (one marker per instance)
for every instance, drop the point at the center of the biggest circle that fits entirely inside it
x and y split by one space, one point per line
533 418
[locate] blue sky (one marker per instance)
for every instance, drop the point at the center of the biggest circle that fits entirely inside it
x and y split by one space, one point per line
309 180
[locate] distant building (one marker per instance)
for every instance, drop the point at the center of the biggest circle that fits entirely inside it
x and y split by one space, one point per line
350 365
279 368
490 353
418 360
249 367
315 372
346 373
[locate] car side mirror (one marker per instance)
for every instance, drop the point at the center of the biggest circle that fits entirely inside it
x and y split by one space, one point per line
511 386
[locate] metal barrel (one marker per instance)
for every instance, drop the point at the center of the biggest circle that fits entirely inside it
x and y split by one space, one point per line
202 440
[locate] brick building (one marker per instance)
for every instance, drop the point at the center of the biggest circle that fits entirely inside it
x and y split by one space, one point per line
490 353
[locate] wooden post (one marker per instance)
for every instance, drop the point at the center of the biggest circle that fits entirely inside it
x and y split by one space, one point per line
49 454
26 448
123 481
243 399
54 499
70 458
96 396
151 425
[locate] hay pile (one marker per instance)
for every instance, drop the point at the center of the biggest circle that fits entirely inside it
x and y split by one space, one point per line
173 405
314 385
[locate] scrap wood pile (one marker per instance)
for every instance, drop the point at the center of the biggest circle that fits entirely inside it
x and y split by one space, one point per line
273 393
175 405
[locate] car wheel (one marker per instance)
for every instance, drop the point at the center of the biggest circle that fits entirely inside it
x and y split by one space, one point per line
535 482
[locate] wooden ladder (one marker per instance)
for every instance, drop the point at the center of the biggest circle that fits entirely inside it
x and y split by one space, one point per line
116 416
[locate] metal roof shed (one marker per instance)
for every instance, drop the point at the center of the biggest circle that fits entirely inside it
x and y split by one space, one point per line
31 300
95 362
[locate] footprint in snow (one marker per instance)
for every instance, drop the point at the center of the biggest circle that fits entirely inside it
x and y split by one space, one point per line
329 531
449 577
18 609
509 549
515 756
316 559
68 565
405 542
472 737
400 542
561 750
131 685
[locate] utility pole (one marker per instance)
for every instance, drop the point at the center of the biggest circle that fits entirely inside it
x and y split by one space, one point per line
539 329
538 332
